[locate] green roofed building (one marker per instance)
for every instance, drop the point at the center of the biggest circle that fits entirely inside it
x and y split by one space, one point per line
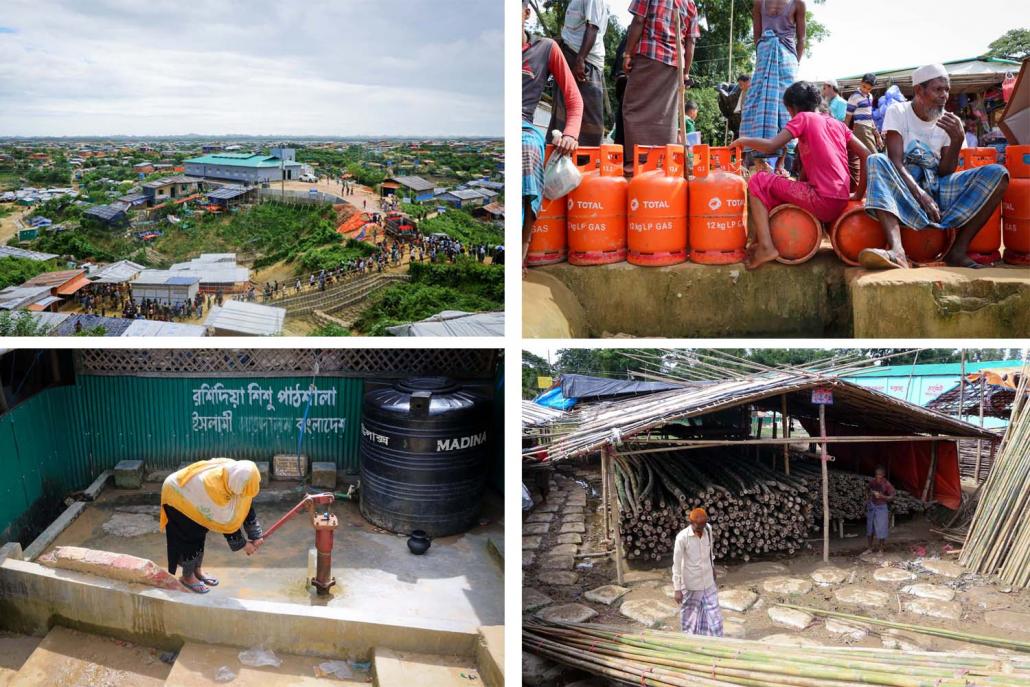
247 168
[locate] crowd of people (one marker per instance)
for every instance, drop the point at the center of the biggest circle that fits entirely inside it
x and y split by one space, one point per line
804 143
116 300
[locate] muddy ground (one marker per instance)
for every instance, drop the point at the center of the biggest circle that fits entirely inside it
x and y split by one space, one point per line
910 543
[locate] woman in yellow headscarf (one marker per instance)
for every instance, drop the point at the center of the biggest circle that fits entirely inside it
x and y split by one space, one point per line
213 495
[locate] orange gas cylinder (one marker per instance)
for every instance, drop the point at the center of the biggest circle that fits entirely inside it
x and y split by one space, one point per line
656 222
597 208
1016 206
796 233
985 247
926 246
547 243
717 216
854 231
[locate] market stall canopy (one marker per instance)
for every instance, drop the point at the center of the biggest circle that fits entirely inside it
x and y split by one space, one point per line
853 408
1015 121
967 76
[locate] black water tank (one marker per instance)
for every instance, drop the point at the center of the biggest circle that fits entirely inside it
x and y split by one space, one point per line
424 456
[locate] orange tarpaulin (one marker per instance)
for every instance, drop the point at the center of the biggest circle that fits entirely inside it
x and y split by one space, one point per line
354 223
1005 376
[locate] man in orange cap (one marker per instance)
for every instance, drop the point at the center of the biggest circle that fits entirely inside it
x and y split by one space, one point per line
693 578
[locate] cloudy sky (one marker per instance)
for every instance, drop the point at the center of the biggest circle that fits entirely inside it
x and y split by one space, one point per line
876 35
331 67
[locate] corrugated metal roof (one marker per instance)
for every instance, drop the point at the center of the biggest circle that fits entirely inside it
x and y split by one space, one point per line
113 326
16 297
117 272
454 323
162 278
414 183
930 369
611 422
241 160
106 213
252 319
156 328
52 279
168 181
12 252
228 192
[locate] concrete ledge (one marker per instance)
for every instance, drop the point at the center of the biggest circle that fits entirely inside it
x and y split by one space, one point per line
941 302
490 655
710 301
10 550
93 490
33 597
47 536
128 474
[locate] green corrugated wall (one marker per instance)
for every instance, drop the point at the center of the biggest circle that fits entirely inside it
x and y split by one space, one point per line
68 435
152 419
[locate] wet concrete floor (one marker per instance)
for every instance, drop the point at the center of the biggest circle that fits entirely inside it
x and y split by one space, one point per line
455 581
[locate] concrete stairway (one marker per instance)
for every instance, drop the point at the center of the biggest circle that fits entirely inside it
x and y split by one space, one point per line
70 658
338 296
15 649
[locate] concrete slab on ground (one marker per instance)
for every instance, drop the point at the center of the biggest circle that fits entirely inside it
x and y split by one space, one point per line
566 613
606 594
786 585
649 612
790 617
403 669
570 538
737 599
128 474
490 655
788 640
893 575
534 600
935 608
862 596
531 543
198 664
825 577
69 658
930 591
943 568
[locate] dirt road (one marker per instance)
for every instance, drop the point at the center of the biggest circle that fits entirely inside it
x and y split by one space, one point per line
9 223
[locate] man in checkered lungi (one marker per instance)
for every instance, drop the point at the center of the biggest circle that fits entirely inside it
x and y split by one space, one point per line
915 184
693 578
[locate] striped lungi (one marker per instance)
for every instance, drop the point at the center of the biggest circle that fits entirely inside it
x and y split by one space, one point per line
959 195
650 109
700 613
764 115
532 167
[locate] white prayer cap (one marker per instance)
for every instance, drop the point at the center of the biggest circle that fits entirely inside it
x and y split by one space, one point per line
927 72
832 83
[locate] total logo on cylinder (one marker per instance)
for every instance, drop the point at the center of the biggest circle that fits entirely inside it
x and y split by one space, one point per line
596 210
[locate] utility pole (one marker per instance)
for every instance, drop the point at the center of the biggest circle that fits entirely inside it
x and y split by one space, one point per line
729 68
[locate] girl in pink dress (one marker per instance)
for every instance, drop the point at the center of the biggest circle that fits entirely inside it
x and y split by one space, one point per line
823 186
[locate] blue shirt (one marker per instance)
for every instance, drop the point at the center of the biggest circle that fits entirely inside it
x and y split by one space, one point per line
838 108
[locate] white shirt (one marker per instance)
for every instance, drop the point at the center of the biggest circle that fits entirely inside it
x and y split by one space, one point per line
692 561
901 118
577 16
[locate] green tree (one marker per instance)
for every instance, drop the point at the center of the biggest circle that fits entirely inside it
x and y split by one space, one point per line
21 324
533 366
1014 45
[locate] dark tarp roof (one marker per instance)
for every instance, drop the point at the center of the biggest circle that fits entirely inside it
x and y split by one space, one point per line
584 387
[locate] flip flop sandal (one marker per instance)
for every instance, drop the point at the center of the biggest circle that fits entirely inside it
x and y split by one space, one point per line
209 581
877 259
197 587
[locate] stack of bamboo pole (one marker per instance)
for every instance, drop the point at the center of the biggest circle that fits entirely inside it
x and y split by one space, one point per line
662 659
999 535
849 493
751 508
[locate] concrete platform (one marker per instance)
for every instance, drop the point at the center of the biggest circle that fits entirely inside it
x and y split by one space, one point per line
456 582
197 665
15 649
403 669
69 658
820 298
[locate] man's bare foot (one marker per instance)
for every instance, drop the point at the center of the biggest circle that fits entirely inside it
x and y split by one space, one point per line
956 259
760 256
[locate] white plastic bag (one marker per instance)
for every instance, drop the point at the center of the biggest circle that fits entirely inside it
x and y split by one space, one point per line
561 176
259 656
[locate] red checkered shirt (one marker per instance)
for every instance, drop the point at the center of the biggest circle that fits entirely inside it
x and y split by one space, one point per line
658 40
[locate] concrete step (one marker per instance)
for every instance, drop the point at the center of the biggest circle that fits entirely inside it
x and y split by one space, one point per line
69 658
404 668
15 649
490 655
197 665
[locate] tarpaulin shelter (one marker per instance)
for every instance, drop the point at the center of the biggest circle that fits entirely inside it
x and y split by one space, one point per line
454 323
1015 120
